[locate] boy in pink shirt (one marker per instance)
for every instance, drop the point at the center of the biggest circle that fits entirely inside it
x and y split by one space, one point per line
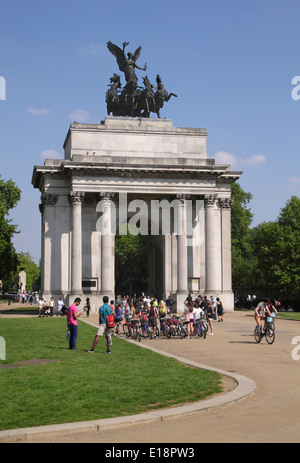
72 315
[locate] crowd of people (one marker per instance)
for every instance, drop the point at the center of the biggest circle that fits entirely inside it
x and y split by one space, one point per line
138 308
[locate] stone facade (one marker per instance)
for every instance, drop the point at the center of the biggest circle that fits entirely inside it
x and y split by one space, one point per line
110 169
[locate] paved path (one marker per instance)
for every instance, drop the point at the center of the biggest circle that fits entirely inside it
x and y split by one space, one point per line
271 414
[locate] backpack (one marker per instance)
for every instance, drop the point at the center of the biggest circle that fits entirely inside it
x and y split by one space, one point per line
110 321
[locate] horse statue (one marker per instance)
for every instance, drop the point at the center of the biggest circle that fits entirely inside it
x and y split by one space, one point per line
146 102
161 95
112 97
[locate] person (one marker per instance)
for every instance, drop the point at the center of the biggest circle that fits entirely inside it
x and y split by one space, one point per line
169 303
162 312
103 329
213 301
136 316
41 306
220 309
152 317
88 306
198 312
189 316
260 313
51 306
210 315
60 304
118 316
72 315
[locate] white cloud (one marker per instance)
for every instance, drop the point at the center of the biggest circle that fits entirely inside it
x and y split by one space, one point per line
79 115
294 180
254 160
92 49
223 157
51 154
37 111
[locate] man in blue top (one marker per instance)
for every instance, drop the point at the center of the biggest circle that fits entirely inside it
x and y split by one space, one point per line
104 310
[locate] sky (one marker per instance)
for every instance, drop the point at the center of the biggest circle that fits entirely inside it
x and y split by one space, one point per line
233 64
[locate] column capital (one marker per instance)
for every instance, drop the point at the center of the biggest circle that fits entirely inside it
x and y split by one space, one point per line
210 200
47 199
108 195
76 196
182 197
226 203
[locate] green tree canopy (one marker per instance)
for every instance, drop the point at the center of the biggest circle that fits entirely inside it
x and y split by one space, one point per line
277 246
243 259
131 261
32 271
10 194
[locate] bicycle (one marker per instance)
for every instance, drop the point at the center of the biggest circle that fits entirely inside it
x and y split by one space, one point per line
127 327
200 327
118 322
268 333
145 329
184 332
165 328
135 325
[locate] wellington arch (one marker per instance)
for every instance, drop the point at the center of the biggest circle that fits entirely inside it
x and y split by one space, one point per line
157 176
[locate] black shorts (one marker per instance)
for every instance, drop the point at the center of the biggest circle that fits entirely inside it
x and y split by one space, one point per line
152 322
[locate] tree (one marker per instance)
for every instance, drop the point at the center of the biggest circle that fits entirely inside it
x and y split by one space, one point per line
131 262
10 194
32 270
243 260
277 246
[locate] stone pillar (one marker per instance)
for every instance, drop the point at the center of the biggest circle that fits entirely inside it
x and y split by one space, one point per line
182 260
76 198
225 204
107 248
46 207
167 259
210 244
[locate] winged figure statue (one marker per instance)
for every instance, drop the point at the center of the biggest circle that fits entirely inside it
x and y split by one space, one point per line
127 64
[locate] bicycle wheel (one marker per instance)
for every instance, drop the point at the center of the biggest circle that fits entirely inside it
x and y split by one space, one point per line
270 335
203 331
257 336
126 330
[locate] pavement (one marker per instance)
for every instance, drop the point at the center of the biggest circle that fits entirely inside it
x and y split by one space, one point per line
263 407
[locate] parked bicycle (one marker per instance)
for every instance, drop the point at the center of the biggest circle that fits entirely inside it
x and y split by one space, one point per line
268 332
127 327
135 330
200 327
145 329
165 327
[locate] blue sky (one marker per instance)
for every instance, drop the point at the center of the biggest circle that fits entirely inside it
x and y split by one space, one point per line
231 62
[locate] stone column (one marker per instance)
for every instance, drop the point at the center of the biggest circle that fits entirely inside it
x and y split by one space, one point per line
210 247
182 261
46 207
225 204
76 198
107 248
167 265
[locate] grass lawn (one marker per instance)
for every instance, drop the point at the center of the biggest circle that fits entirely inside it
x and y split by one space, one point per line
82 386
289 315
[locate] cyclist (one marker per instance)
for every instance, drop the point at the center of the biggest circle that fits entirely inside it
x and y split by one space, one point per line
118 316
153 314
136 315
189 317
261 311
